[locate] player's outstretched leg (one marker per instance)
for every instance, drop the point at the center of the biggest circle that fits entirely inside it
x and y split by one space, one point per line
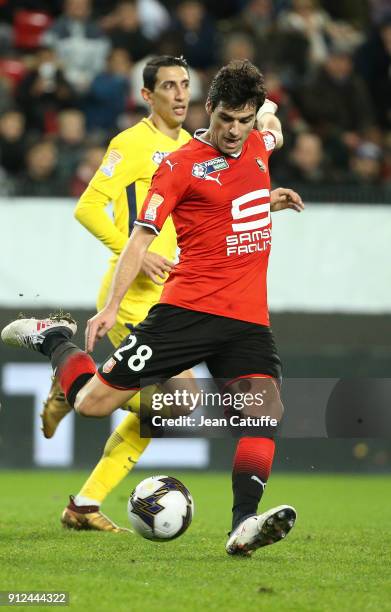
32 333
122 451
52 338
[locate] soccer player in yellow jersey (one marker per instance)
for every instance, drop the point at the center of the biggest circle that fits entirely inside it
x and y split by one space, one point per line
124 179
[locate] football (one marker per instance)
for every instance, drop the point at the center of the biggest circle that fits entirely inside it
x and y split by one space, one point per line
160 508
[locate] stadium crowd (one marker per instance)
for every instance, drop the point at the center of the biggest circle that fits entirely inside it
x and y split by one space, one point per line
71 71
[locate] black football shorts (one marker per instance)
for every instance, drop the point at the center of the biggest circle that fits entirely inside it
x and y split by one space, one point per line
173 339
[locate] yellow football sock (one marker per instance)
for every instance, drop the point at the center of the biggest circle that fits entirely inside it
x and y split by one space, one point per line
121 453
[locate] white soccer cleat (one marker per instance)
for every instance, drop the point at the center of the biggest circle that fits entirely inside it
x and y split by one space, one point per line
30 333
262 530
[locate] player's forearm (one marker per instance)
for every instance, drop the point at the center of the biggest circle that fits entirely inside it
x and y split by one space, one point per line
127 268
90 212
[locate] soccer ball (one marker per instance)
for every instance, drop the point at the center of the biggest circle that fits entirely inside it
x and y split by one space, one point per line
160 508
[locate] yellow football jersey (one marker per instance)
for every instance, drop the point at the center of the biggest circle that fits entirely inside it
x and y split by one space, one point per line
124 178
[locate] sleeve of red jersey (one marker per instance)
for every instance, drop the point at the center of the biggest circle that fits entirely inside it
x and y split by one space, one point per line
166 190
267 140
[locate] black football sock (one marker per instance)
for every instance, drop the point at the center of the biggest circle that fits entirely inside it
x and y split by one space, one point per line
52 341
252 465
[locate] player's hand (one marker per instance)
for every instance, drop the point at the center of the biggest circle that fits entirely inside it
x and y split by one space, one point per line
98 326
156 267
282 198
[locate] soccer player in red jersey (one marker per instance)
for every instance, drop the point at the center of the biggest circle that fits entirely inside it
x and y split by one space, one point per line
214 305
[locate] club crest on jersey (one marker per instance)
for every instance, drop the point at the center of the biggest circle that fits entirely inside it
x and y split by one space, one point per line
113 158
202 169
159 156
154 203
260 163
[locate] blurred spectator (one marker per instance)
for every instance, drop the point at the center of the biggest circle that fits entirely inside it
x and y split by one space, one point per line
28 29
196 117
71 139
41 178
258 17
288 52
44 91
336 100
109 93
127 34
194 34
79 43
306 162
373 61
238 46
154 18
313 23
321 32
286 49
92 159
12 142
366 164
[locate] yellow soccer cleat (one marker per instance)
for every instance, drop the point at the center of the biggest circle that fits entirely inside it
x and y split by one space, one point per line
88 518
54 409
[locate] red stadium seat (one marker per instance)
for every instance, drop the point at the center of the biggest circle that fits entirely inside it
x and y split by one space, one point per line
29 27
13 69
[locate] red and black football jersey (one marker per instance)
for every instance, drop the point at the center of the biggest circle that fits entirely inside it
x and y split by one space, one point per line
220 206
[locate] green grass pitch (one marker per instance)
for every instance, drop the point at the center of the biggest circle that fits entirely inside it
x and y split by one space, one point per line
336 558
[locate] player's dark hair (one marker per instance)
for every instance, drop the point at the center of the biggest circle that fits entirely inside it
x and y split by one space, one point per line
237 84
152 66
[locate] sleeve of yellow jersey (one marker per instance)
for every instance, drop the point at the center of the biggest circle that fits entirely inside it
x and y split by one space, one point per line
120 167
